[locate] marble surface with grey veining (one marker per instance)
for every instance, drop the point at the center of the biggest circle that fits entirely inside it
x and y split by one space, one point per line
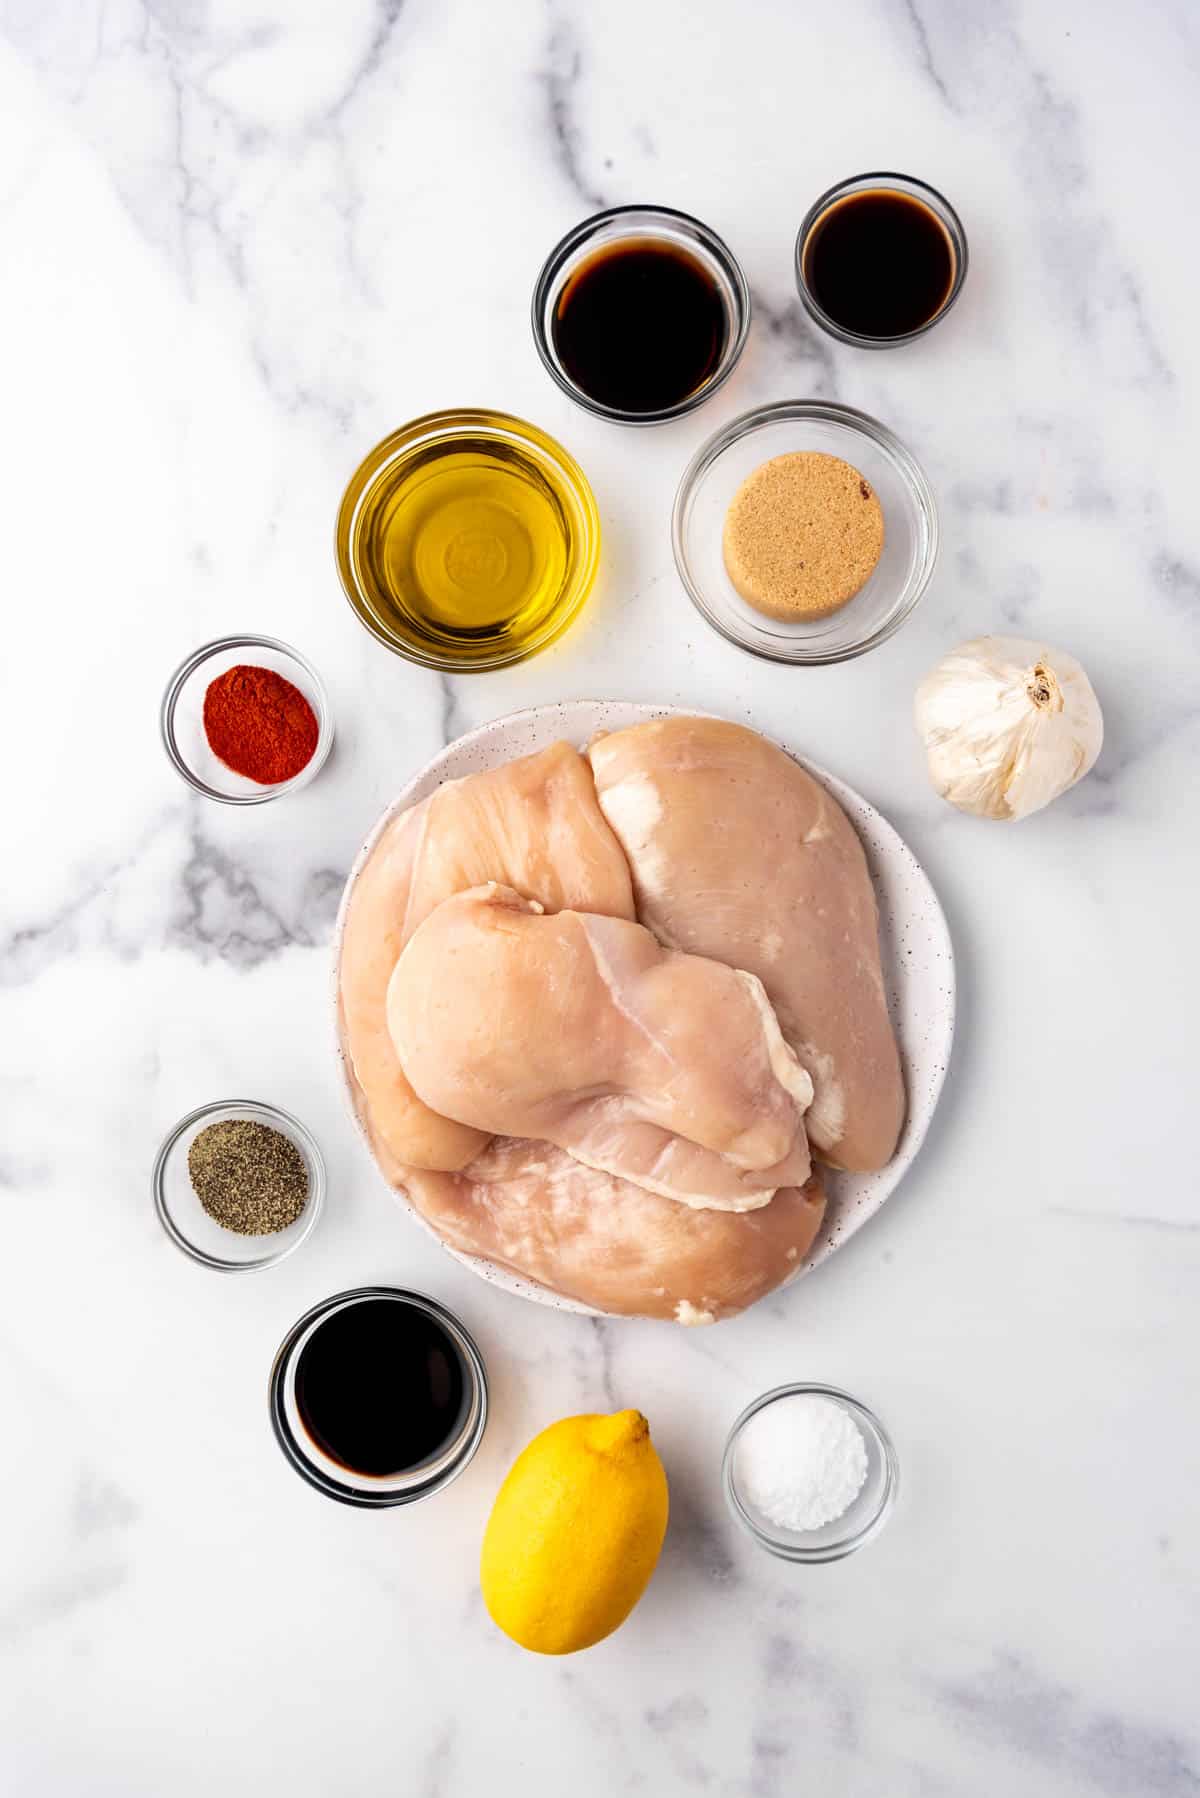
242 240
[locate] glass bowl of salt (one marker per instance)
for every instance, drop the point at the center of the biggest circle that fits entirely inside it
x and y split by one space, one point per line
809 1472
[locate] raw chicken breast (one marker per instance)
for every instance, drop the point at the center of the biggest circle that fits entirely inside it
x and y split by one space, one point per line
608 1243
401 1128
533 824
665 1069
740 855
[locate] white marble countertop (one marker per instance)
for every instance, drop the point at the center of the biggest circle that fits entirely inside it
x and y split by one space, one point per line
241 241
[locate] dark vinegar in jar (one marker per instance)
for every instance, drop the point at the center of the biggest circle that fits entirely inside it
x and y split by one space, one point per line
380 1386
879 264
640 326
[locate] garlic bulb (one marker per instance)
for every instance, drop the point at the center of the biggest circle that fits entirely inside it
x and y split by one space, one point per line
1008 725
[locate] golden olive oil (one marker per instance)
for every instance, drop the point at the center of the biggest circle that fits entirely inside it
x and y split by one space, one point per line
466 546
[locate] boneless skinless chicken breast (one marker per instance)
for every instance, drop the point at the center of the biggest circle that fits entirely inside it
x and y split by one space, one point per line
533 824
531 1208
739 855
665 1069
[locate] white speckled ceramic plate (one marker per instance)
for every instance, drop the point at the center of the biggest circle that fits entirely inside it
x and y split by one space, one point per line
918 960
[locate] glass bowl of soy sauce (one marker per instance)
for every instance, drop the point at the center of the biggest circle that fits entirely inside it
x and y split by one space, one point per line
640 313
880 259
378 1397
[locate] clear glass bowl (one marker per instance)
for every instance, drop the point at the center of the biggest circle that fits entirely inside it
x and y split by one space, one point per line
182 717
622 224
909 516
186 1221
374 1492
866 1515
494 432
885 181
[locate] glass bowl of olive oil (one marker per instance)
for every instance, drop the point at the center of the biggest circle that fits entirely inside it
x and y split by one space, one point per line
467 540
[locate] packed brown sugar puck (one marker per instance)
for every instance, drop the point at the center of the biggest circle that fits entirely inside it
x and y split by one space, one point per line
802 535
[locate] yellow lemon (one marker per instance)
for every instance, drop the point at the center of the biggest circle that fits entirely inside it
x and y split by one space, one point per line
575 1532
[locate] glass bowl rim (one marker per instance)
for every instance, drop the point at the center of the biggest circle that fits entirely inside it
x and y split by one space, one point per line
289 1125
781 412
578 235
445 422
175 686
897 183
381 1499
839 1547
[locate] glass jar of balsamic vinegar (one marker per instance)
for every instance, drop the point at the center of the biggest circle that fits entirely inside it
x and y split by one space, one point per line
640 313
378 1397
880 259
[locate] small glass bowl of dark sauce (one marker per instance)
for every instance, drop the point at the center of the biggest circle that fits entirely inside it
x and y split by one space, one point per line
640 313
880 259
378 1397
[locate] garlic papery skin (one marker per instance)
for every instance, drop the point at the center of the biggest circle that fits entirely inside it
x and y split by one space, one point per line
1008 724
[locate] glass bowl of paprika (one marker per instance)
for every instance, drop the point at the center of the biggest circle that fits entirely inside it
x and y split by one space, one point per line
246 719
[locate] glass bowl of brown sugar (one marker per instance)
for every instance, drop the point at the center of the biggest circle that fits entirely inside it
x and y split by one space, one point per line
246 719
238 1185
818 432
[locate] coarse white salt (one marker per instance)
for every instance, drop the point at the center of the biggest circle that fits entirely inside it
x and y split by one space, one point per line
801 1461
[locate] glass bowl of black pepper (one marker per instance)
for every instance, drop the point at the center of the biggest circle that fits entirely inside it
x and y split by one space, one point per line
238 1185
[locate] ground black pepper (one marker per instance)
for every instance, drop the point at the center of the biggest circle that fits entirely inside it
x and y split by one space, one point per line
248 1177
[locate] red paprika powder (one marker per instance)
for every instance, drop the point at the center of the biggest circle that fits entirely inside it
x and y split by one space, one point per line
259 724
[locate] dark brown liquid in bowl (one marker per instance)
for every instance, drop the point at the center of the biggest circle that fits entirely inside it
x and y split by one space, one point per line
879 264
640 326
380 1386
